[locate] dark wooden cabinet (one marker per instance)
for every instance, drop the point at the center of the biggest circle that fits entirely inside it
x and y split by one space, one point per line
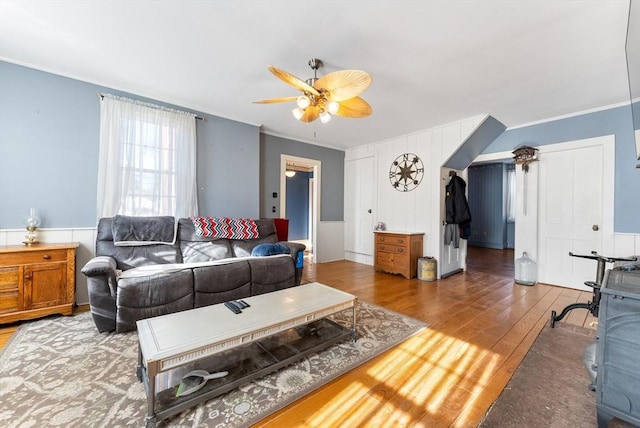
36 281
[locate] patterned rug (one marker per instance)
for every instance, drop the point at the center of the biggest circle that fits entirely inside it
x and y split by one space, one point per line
61 372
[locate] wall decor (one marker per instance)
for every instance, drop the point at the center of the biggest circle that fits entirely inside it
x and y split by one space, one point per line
406 172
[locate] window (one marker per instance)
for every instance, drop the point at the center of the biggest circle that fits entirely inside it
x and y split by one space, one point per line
147 160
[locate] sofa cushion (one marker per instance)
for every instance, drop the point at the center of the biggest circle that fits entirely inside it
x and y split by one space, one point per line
152 295
243 248
270 249
271 274
220 283
194 252
130 257
137 231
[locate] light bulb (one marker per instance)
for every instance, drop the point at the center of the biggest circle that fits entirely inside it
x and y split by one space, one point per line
297 113
303 101
325 117
333 107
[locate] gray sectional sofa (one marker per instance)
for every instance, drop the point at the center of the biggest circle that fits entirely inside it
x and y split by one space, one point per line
129 283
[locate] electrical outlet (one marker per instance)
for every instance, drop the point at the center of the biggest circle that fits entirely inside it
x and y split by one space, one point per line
273 209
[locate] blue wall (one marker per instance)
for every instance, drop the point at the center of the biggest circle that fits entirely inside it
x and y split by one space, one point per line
298 205
486 190
49 138
615 121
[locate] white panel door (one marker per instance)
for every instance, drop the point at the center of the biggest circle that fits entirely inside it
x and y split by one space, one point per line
359 185
451 259
570 215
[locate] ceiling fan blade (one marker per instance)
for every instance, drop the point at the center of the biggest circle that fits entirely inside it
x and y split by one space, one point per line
354 108
344 84
311 113
293 80
276 100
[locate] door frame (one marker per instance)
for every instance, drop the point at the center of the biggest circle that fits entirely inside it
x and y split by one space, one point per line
453 260
314 199
527 237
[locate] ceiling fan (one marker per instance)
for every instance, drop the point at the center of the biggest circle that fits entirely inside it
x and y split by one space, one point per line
334 93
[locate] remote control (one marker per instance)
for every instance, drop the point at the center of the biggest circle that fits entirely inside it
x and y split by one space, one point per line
233 308
235 304
241 303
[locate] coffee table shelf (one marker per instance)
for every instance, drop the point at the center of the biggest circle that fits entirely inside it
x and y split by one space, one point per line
276 330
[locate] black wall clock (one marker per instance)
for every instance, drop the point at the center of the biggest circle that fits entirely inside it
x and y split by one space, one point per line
406 172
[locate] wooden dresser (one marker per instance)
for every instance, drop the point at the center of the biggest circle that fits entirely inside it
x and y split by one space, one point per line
398 252
37 280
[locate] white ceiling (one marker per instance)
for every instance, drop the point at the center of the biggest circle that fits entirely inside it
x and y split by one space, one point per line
432 62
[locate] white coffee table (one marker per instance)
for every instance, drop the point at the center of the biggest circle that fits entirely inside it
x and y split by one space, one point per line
171 341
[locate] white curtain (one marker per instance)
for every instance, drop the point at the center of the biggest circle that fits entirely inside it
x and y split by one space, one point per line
147 163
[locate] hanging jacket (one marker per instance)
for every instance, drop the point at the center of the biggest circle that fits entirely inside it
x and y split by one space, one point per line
455 202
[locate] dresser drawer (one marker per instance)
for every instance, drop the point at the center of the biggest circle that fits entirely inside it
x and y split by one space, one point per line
394 249
28 257
392 240
9 301
392 260
9 278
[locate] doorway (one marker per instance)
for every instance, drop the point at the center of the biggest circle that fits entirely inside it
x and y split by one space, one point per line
491 194
300 179
582 165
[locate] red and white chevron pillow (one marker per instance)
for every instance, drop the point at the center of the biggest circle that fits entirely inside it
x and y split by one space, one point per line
225 227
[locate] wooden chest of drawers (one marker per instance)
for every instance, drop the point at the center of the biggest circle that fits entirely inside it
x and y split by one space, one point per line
36 281
398 252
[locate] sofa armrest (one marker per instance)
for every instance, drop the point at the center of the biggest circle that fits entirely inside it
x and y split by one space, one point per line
103 270
294 248
297 253
102 286
101 265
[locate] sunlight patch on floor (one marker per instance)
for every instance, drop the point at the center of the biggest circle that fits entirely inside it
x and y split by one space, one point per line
433 369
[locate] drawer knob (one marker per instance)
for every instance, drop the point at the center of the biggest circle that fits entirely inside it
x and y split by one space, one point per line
401 241
46 257
27 277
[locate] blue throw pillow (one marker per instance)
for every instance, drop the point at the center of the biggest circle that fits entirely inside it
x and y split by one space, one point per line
262 250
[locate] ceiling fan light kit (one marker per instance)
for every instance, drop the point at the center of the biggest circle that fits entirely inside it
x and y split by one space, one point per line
334 93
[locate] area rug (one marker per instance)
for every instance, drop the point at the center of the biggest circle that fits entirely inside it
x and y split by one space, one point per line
61 372
551 386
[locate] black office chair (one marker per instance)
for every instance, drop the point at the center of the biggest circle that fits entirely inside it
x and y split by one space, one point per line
593 305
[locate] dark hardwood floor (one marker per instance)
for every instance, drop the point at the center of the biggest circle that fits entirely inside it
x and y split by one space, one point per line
488 260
